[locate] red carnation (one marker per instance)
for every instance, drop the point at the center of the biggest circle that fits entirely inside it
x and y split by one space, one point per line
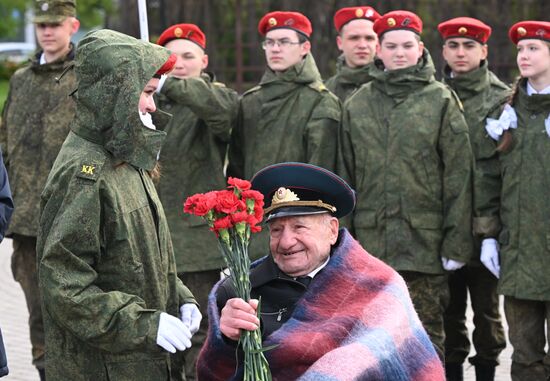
222 223
238 183
228 202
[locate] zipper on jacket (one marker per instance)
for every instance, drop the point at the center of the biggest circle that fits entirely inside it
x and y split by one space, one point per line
278 313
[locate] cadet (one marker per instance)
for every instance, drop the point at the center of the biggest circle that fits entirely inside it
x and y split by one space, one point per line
106 265
357 42
290 115
523 133
192 159
406 150
483 95
35 122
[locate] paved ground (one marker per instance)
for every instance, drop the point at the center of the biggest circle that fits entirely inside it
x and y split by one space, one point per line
14 315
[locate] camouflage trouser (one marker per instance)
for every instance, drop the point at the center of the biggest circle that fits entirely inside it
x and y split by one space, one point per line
200 283
488 336
23 266
526 321
430 296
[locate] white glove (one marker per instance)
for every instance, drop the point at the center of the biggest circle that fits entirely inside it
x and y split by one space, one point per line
191 317
451 264
172 334
489 255
161 83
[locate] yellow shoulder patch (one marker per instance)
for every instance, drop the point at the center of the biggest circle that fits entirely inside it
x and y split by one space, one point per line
318 86
255 88
219 84
457 99
89 171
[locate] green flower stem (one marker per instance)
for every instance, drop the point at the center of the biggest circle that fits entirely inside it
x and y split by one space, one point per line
235 253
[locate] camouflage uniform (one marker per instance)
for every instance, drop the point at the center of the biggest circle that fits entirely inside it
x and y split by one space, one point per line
192 159
35 123
482 95
106 263
347 79
405 150
524 239
289 116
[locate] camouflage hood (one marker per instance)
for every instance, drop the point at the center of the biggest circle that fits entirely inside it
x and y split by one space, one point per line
352 76
400 83
112 69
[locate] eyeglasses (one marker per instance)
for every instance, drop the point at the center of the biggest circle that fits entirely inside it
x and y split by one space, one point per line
282 43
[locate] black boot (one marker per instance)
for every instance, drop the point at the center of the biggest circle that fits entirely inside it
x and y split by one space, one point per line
453 371
42 374
485 372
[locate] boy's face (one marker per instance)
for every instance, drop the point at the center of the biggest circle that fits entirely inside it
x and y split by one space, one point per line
280 58
54 38
191 60
357 41
399 49
463 54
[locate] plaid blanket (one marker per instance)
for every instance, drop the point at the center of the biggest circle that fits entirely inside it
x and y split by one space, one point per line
355 322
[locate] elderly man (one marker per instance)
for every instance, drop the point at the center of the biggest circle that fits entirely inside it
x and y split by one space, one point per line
357 42
320 290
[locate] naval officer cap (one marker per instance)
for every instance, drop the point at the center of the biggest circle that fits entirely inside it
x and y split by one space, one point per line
299 189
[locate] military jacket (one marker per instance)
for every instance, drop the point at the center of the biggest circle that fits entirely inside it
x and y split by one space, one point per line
34 124
192 159
525 211
347 79
106 263
483 95
405 150
290 116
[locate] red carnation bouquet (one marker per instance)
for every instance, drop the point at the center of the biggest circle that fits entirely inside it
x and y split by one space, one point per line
233 214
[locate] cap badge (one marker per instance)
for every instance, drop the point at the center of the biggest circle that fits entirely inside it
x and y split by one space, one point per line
284 195
44 7
289 22
369 13
406 21
462 30
522 31
540 32
359 12
178 32
391 21
272 21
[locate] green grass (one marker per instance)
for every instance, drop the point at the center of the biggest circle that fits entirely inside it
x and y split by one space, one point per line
3 92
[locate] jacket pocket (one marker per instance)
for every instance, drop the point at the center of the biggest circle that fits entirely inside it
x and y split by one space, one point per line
138 369
426 220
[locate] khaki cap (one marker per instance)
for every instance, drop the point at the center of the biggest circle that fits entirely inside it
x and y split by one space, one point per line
53 11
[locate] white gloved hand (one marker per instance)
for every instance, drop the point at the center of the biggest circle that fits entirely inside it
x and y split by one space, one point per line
489 255
451 264
172 334
161 83
191 317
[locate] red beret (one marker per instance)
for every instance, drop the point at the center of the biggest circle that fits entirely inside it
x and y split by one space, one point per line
539 30
167 66
345 15
289 20
466 27
189 32
398 20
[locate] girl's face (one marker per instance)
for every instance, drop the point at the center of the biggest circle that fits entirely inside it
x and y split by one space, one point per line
146 102
534 60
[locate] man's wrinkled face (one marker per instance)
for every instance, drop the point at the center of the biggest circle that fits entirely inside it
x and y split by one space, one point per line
533 60
300 244
283 49
191 59
54 38
399 49
357 41
463 54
